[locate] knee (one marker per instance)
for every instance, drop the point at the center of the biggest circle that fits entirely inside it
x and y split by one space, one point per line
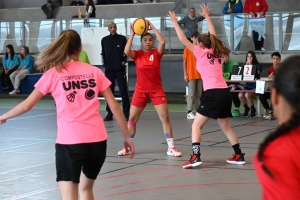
248 95
241 96
165 117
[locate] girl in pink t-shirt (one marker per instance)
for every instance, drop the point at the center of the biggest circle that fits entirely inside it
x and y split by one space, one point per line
216 100
81 135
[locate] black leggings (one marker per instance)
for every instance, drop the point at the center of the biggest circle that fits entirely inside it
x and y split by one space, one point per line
263 99
2 78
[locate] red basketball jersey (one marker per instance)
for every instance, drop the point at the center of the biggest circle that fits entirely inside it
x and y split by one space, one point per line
148 77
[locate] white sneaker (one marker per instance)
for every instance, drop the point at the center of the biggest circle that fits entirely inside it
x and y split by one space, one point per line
12 92
190 116
123 152
173 151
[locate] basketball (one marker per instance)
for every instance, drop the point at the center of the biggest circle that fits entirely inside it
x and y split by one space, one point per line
140 26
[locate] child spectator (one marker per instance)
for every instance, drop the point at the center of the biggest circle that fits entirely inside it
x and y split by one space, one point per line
276 58
90 9
256 6
277 161
25 68
227 70
192 77
10 63
233 6
250 112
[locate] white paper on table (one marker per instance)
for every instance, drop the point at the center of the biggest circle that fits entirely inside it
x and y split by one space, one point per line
87 36
260 87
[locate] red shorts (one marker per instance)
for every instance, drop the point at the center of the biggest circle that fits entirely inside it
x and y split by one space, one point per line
140 99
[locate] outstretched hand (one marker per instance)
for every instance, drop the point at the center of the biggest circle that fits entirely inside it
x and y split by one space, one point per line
129 145
205 10
2 121
172 16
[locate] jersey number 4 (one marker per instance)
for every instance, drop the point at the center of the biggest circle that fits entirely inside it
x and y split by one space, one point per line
151 58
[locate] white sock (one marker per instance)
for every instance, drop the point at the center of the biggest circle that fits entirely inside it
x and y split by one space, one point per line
170 142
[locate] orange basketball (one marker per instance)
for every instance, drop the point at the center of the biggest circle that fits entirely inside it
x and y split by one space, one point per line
140 26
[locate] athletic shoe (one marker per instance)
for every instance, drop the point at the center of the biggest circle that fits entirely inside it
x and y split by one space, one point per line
270 116
173 151
252 112
190 116
246 113
193 162
108 118
236 112
237 159
123 152
12 92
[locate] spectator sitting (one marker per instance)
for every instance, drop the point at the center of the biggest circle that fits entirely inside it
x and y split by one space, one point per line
25 68
190 23
90 9
227 70
10 62
276 58
51 7
254 6
233 6
251 112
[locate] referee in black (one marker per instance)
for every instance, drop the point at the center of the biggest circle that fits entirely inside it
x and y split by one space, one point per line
114 61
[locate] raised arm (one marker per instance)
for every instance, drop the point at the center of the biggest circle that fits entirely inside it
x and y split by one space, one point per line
179 32
205 13
128 51
160 38
23 107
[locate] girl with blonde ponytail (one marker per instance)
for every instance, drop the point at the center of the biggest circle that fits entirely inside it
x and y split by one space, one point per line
216 100
81 135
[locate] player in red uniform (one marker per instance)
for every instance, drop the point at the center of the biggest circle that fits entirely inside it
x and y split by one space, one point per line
149 85
277 161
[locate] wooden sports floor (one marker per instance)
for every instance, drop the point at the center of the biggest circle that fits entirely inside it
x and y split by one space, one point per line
27 169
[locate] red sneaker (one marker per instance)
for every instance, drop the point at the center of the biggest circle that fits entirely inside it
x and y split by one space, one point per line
173 151
237 159
123 152
193 162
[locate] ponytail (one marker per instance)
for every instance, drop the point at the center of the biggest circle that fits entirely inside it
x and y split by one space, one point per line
56 54
217 45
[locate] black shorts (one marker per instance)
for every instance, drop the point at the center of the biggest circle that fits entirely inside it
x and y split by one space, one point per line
72 159
215 103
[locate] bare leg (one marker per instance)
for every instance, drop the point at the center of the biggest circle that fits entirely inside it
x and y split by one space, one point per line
135 113
86 188
227 130
163 113
197 126
242 98
68 190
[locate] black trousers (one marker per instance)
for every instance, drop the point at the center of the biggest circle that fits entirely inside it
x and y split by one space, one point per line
2 78
120 76
49 12
263 100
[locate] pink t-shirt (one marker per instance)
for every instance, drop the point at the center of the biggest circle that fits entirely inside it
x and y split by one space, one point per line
75 92
210 68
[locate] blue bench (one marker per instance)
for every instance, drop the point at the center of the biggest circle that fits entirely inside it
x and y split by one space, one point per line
27 84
